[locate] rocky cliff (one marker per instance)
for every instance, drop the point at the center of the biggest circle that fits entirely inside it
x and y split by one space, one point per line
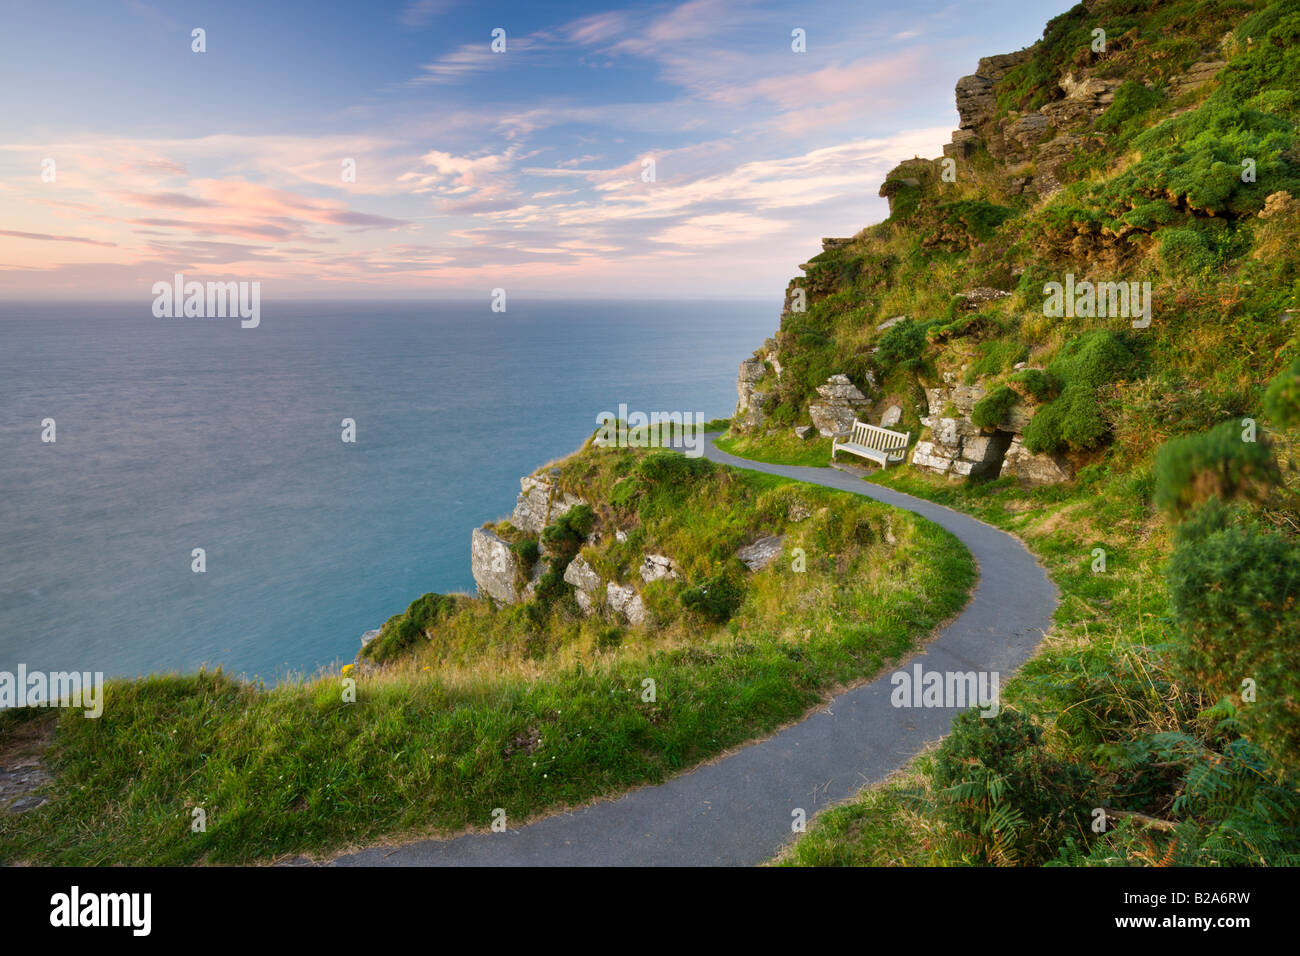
914 322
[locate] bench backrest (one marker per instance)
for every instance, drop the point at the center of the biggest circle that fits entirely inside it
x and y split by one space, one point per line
881 439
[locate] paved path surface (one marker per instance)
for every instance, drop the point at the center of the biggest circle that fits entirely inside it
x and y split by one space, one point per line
737 812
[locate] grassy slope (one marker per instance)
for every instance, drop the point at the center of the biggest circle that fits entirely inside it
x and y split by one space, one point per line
528 708
780 449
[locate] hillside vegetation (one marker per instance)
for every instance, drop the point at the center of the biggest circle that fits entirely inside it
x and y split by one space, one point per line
1161 722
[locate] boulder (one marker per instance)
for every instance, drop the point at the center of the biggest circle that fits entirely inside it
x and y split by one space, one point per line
494 566
1034 469
625 601
890 323
842 403
586 582
892 416
803 431
762 552
656 567
832 421
926 455
369 636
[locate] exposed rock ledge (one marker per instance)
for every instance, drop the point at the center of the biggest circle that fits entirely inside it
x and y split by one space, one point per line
957 446
540 503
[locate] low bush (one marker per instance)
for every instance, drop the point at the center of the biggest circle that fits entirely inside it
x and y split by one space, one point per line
1218 464
993 407
1004 797
716 598
401 631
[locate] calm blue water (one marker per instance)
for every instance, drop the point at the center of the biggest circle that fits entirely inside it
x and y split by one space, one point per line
174 434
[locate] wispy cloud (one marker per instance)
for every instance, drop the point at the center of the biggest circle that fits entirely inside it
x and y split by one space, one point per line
420 13
42 237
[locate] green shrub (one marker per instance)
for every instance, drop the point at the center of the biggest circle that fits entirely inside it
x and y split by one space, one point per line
1202 246
993 407
1004 797
565 535
715 599
976 217
1196 159
1075 419
1214 464
1132 101
401 631
1034 383
902 346
1233 594
1271 60
625 491
1093 359
996 356
1282 399
671 467
1185 251
528 551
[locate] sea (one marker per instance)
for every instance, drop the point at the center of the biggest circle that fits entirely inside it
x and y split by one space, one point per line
177 434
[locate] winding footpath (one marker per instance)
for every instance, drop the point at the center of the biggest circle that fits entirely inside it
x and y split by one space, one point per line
737 811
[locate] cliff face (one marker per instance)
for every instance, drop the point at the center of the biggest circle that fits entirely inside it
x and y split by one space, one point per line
500 572
1108 154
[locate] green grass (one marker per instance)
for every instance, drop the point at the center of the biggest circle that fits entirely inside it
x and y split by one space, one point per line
778 448
527 708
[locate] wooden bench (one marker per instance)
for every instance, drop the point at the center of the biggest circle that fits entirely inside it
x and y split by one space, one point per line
880 445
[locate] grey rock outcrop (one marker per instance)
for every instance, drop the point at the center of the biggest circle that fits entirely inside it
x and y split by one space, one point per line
762 552
842 402
494 566
1197 75
976 101
963 399
1035 469
586 582
625 601
657 567
978 296
540 503
751 398
956 445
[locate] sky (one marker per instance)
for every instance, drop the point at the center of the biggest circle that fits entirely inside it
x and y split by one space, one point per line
384 149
